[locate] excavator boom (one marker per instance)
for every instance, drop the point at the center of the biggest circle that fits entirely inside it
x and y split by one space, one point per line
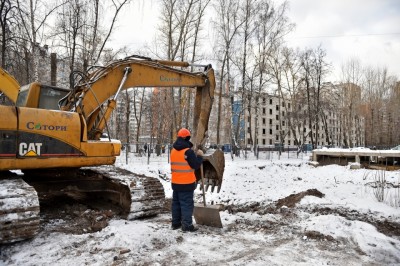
90 93
8 85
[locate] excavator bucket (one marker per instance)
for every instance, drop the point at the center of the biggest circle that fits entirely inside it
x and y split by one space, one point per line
213 165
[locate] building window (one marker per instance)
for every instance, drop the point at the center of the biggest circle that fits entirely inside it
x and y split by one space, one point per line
277 137
288 106
277 117
263 141
277 127
270 142
277 107
264 100
288 142
270 101
263 131
263 111
270 121
270 131
270 111
263 121
283 113
283 123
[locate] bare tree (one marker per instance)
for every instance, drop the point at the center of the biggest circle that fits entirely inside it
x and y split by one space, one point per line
179 30
138 97
197 27
7 18
379 94
314 69
80 32
286 75
393 104
227 25
349 97
292 89
248 12
34 16
271 26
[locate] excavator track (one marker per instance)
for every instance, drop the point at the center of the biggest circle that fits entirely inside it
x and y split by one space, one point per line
136 196
145 197
19 209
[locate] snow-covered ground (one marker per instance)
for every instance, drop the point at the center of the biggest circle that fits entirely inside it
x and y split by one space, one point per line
347 226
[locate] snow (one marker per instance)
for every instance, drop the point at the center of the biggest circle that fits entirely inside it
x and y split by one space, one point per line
337 229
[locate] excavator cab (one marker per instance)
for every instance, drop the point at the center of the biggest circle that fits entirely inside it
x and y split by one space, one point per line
36 95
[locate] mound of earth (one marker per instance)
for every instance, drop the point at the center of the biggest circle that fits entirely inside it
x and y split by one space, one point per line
291 200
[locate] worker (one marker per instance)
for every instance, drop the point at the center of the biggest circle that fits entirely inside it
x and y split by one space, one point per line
184 161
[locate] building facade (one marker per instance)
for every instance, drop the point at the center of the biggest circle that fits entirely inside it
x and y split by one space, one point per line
273 121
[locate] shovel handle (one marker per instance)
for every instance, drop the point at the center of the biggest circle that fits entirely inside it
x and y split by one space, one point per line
202 184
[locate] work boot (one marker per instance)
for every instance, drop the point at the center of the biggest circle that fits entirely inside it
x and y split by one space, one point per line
190 229
176 226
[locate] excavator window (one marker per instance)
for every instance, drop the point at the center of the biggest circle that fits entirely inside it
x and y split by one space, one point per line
49 97
22 96
36 95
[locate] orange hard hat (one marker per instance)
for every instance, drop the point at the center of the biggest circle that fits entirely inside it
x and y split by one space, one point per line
183 133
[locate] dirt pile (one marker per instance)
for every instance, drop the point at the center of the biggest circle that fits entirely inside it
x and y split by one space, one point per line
291 200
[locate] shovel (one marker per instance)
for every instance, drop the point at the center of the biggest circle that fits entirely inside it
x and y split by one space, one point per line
203 214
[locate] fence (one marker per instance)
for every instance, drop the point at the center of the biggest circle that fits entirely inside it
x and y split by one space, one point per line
161 152
276 153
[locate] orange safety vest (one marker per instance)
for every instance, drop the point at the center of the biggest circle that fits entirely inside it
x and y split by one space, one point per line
181 171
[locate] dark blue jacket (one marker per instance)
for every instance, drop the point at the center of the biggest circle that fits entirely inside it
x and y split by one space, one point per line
193 160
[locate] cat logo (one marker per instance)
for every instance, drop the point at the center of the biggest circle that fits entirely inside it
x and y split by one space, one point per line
29 149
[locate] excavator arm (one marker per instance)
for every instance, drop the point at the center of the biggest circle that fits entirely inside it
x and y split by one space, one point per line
102 86
94 98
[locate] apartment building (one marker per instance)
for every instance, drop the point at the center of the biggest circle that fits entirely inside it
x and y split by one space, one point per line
277 121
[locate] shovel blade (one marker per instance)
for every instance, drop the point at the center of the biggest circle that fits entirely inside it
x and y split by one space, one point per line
207 215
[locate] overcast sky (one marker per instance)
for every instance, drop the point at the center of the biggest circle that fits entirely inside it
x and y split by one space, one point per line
365 29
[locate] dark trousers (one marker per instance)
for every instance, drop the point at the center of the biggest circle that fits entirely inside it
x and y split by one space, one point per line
182 208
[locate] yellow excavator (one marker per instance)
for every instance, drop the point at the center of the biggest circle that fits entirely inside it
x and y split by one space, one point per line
51 141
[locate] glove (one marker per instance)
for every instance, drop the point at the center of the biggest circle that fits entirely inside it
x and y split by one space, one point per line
199 152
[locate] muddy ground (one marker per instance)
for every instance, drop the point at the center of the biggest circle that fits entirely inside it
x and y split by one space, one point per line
277 238
69 216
